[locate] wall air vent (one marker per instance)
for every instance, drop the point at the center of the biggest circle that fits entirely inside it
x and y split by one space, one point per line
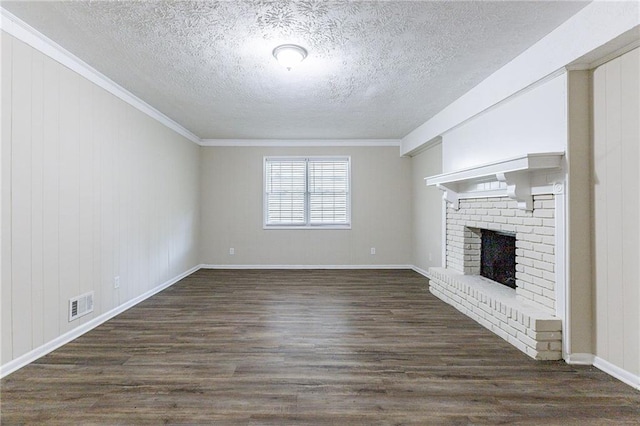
80 306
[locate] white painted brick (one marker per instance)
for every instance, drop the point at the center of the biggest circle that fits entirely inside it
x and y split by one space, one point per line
515 220
508 228
533 221
510 330
526 245
543 230
544 335
547 325
546 284
530 254
517 343
533 270
531 352
550 258
545 266
548 356
541 213
545 301
516 325
485 323
493 320
524 229
525 261
500 332
539 346
524 320
533 238
544 197
544 248
502 317
551 223
525 293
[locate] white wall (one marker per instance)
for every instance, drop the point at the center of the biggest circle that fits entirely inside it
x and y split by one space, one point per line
232 185
532 121
92 188
427 209
602 26
616 191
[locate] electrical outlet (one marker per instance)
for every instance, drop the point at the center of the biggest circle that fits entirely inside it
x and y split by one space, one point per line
430 257
116 282
373 250
232 251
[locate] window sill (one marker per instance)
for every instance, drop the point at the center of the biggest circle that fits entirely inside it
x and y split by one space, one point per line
307 227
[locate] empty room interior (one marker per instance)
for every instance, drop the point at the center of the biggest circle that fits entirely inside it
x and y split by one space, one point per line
320 212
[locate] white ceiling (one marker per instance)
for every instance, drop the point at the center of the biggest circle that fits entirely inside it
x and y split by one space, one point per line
375 70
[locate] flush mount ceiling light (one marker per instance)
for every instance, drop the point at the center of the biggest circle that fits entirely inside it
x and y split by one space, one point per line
289 55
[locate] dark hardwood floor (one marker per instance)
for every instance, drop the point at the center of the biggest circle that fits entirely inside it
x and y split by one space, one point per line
305 348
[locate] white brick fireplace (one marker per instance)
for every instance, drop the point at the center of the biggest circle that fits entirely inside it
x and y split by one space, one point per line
522 197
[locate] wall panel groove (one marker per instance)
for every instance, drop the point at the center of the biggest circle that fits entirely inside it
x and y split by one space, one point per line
79 200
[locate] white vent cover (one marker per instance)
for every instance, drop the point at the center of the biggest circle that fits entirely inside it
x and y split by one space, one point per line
80 306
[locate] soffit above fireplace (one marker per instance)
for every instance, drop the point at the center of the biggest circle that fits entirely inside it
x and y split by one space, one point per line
518 178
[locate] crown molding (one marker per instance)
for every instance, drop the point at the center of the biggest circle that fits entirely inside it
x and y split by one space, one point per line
300 142
24 32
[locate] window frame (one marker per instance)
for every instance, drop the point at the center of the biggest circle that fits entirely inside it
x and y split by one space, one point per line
307 224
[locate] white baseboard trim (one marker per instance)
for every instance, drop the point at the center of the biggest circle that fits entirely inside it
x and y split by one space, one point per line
59 341
617 372
579 359
206 266
421 271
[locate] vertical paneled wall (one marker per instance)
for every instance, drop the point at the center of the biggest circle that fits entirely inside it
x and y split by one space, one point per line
92 189
616 93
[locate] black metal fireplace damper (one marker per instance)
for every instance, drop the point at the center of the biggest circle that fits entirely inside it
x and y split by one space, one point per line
498 257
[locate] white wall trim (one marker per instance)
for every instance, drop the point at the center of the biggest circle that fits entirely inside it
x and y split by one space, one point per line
300 142
579 359
71 335
421 272
29 35
209 266
617 372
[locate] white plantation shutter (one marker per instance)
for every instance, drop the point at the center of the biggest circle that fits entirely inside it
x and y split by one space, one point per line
306 192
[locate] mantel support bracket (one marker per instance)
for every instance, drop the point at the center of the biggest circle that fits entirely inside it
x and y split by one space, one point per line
518 188
450 195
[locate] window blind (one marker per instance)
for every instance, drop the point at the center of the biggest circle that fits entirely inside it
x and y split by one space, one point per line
307 191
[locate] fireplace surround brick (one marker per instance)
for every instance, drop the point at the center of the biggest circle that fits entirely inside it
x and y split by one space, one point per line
535 241
524 317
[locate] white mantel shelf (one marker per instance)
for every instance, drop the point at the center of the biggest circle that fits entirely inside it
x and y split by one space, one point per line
514 174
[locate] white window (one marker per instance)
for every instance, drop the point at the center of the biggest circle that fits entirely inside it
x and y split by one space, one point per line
307 192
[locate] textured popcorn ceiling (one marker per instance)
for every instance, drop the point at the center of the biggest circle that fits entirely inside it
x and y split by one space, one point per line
376 69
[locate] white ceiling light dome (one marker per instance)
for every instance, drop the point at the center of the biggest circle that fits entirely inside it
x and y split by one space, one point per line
289 55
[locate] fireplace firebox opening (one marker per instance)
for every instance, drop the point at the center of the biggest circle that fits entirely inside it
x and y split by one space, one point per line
498 257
